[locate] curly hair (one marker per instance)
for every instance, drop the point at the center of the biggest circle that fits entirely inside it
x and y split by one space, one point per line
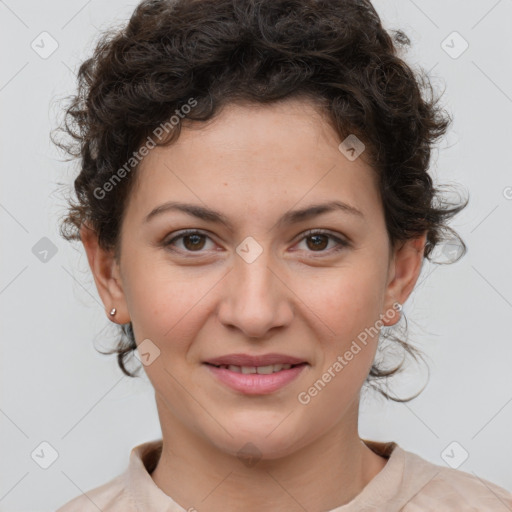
334 53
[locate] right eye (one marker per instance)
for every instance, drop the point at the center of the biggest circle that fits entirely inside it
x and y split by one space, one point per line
191 241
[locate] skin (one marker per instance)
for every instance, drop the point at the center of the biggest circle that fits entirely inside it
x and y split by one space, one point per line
299 297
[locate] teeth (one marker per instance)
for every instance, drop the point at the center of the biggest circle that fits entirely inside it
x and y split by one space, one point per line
265 370
262 370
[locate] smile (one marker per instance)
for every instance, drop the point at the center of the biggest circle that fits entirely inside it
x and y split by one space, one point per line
262 370
256 380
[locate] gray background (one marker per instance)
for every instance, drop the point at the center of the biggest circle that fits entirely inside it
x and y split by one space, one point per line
57 389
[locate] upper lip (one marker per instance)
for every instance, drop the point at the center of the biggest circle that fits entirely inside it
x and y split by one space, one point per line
248 360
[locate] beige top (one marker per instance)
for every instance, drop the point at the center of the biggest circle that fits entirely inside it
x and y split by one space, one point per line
407 483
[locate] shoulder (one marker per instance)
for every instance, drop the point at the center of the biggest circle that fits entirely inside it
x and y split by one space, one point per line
109 497
121 493
439 487
131 491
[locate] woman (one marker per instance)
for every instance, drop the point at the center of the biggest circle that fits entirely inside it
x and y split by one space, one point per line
255 207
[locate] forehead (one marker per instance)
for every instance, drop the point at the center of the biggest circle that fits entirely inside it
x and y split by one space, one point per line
252 157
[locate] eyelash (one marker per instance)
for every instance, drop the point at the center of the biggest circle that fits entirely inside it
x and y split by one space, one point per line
342 244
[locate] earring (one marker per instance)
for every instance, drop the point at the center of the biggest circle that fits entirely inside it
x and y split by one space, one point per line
399 307
113 312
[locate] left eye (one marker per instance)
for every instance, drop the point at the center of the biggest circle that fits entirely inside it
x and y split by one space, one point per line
319 240
316 241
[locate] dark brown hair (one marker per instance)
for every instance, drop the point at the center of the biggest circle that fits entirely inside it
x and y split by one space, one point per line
335 53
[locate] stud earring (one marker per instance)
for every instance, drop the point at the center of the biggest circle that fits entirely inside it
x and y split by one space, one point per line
113 312
399 307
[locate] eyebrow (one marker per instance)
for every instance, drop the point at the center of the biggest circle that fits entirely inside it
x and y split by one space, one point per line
290 217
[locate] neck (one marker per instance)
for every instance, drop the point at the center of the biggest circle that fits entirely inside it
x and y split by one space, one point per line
322 475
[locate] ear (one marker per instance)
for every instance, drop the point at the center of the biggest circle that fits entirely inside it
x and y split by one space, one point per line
404 270
107 276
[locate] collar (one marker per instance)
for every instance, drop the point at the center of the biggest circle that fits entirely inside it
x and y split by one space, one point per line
146 495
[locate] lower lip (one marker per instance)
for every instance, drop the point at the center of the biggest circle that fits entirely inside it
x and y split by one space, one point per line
255 383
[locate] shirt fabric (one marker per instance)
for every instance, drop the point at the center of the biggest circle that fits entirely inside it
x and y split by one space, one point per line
407 483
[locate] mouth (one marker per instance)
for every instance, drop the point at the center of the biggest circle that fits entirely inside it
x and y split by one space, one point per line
256 380
260 370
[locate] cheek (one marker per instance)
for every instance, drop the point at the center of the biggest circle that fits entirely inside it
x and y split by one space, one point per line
162 302
349 304
346 301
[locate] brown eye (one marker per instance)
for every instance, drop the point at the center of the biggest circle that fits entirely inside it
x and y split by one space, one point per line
189 241
319 242
322 242
193 242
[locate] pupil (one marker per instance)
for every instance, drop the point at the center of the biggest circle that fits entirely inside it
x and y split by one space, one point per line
316 245
196 239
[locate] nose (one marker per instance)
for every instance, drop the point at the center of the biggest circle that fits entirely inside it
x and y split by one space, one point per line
256 298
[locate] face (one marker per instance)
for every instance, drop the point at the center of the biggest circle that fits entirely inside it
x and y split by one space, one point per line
247 266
